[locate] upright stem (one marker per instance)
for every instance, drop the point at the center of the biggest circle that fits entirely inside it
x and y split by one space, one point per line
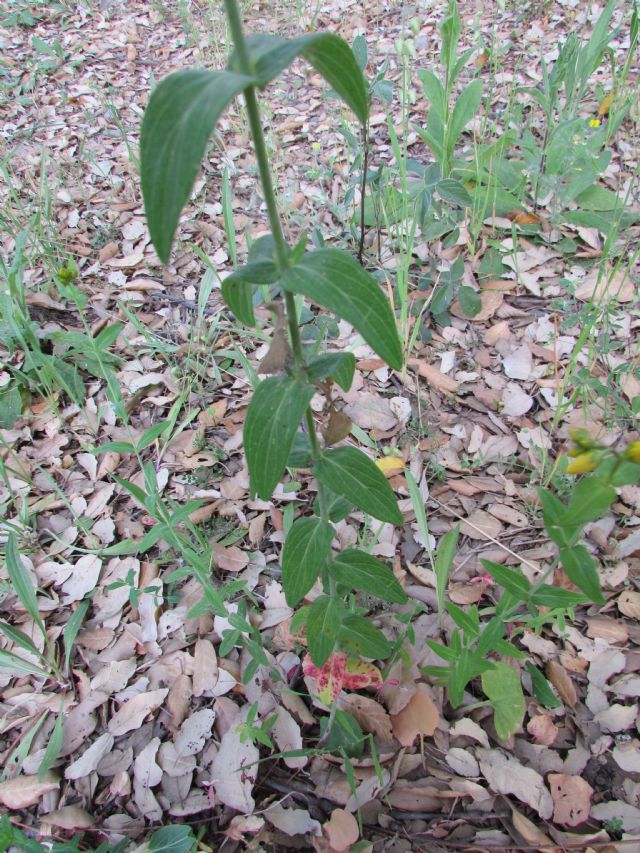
281 249
363 190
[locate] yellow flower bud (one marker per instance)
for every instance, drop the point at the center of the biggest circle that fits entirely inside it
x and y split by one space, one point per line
583 464
595 122
633 451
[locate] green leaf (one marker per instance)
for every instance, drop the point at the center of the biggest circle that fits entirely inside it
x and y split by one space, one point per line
338 508
468 621
345 736
339 365
323 624
554 596
464 111
598 197
444 557
10 406
350 473
71 629
360 638
454 192
16 664
19 638
541 687
172 839
336 281
179 119
502 687
53 748
581 569
304 555
510 579
590 500
329 54
300 453
237 291
358 570
434 93
275 411
470 301
22 583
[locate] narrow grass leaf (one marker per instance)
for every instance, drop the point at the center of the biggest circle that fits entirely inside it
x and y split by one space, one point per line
510 579
350 473
53 747
71 629
15 664
21 582
444 563
275 411
541 687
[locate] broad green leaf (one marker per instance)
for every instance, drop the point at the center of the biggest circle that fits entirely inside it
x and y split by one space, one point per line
179 119
305 553
434 92
339 365
172 839
237 288
470 301
590 500
338 508
345 736
502 687
582 570
490 637
350 473
323 624
358 570
10 406
464 111
598 197
510 579
541 687
275 411
554 596
359 637
453 191
300 453
336 281
329 54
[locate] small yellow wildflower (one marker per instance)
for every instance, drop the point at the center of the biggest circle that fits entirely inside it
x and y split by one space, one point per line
633 451
595 122
583 464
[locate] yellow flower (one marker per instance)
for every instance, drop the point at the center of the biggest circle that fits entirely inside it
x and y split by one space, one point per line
633 451
583 464
595 122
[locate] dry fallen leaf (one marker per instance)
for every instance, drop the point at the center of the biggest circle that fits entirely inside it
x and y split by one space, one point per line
341 830
561 680
234 769
370 715
571 798
131 715
25 791
292 821
629 604
604 286
505 775
419 717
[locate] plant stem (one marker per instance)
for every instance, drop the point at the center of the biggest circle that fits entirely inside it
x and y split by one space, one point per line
363 190
281 248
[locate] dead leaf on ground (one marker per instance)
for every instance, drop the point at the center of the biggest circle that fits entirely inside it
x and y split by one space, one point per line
419 717
24 791
571 798
341 830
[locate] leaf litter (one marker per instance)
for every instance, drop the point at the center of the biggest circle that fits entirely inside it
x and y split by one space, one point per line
154 706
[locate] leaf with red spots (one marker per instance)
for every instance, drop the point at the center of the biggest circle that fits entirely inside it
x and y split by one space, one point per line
340 672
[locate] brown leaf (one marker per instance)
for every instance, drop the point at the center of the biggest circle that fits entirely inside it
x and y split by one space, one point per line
131 715
434 377
370 715
279 355
531 834
179 699
69 817
560 679
606 286
205 668
232 559
337 428
490 301
25 791
341 830
629 604
542 729
419 717
571 798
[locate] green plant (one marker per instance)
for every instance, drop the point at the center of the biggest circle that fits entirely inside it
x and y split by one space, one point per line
446 120
178 121
522 605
